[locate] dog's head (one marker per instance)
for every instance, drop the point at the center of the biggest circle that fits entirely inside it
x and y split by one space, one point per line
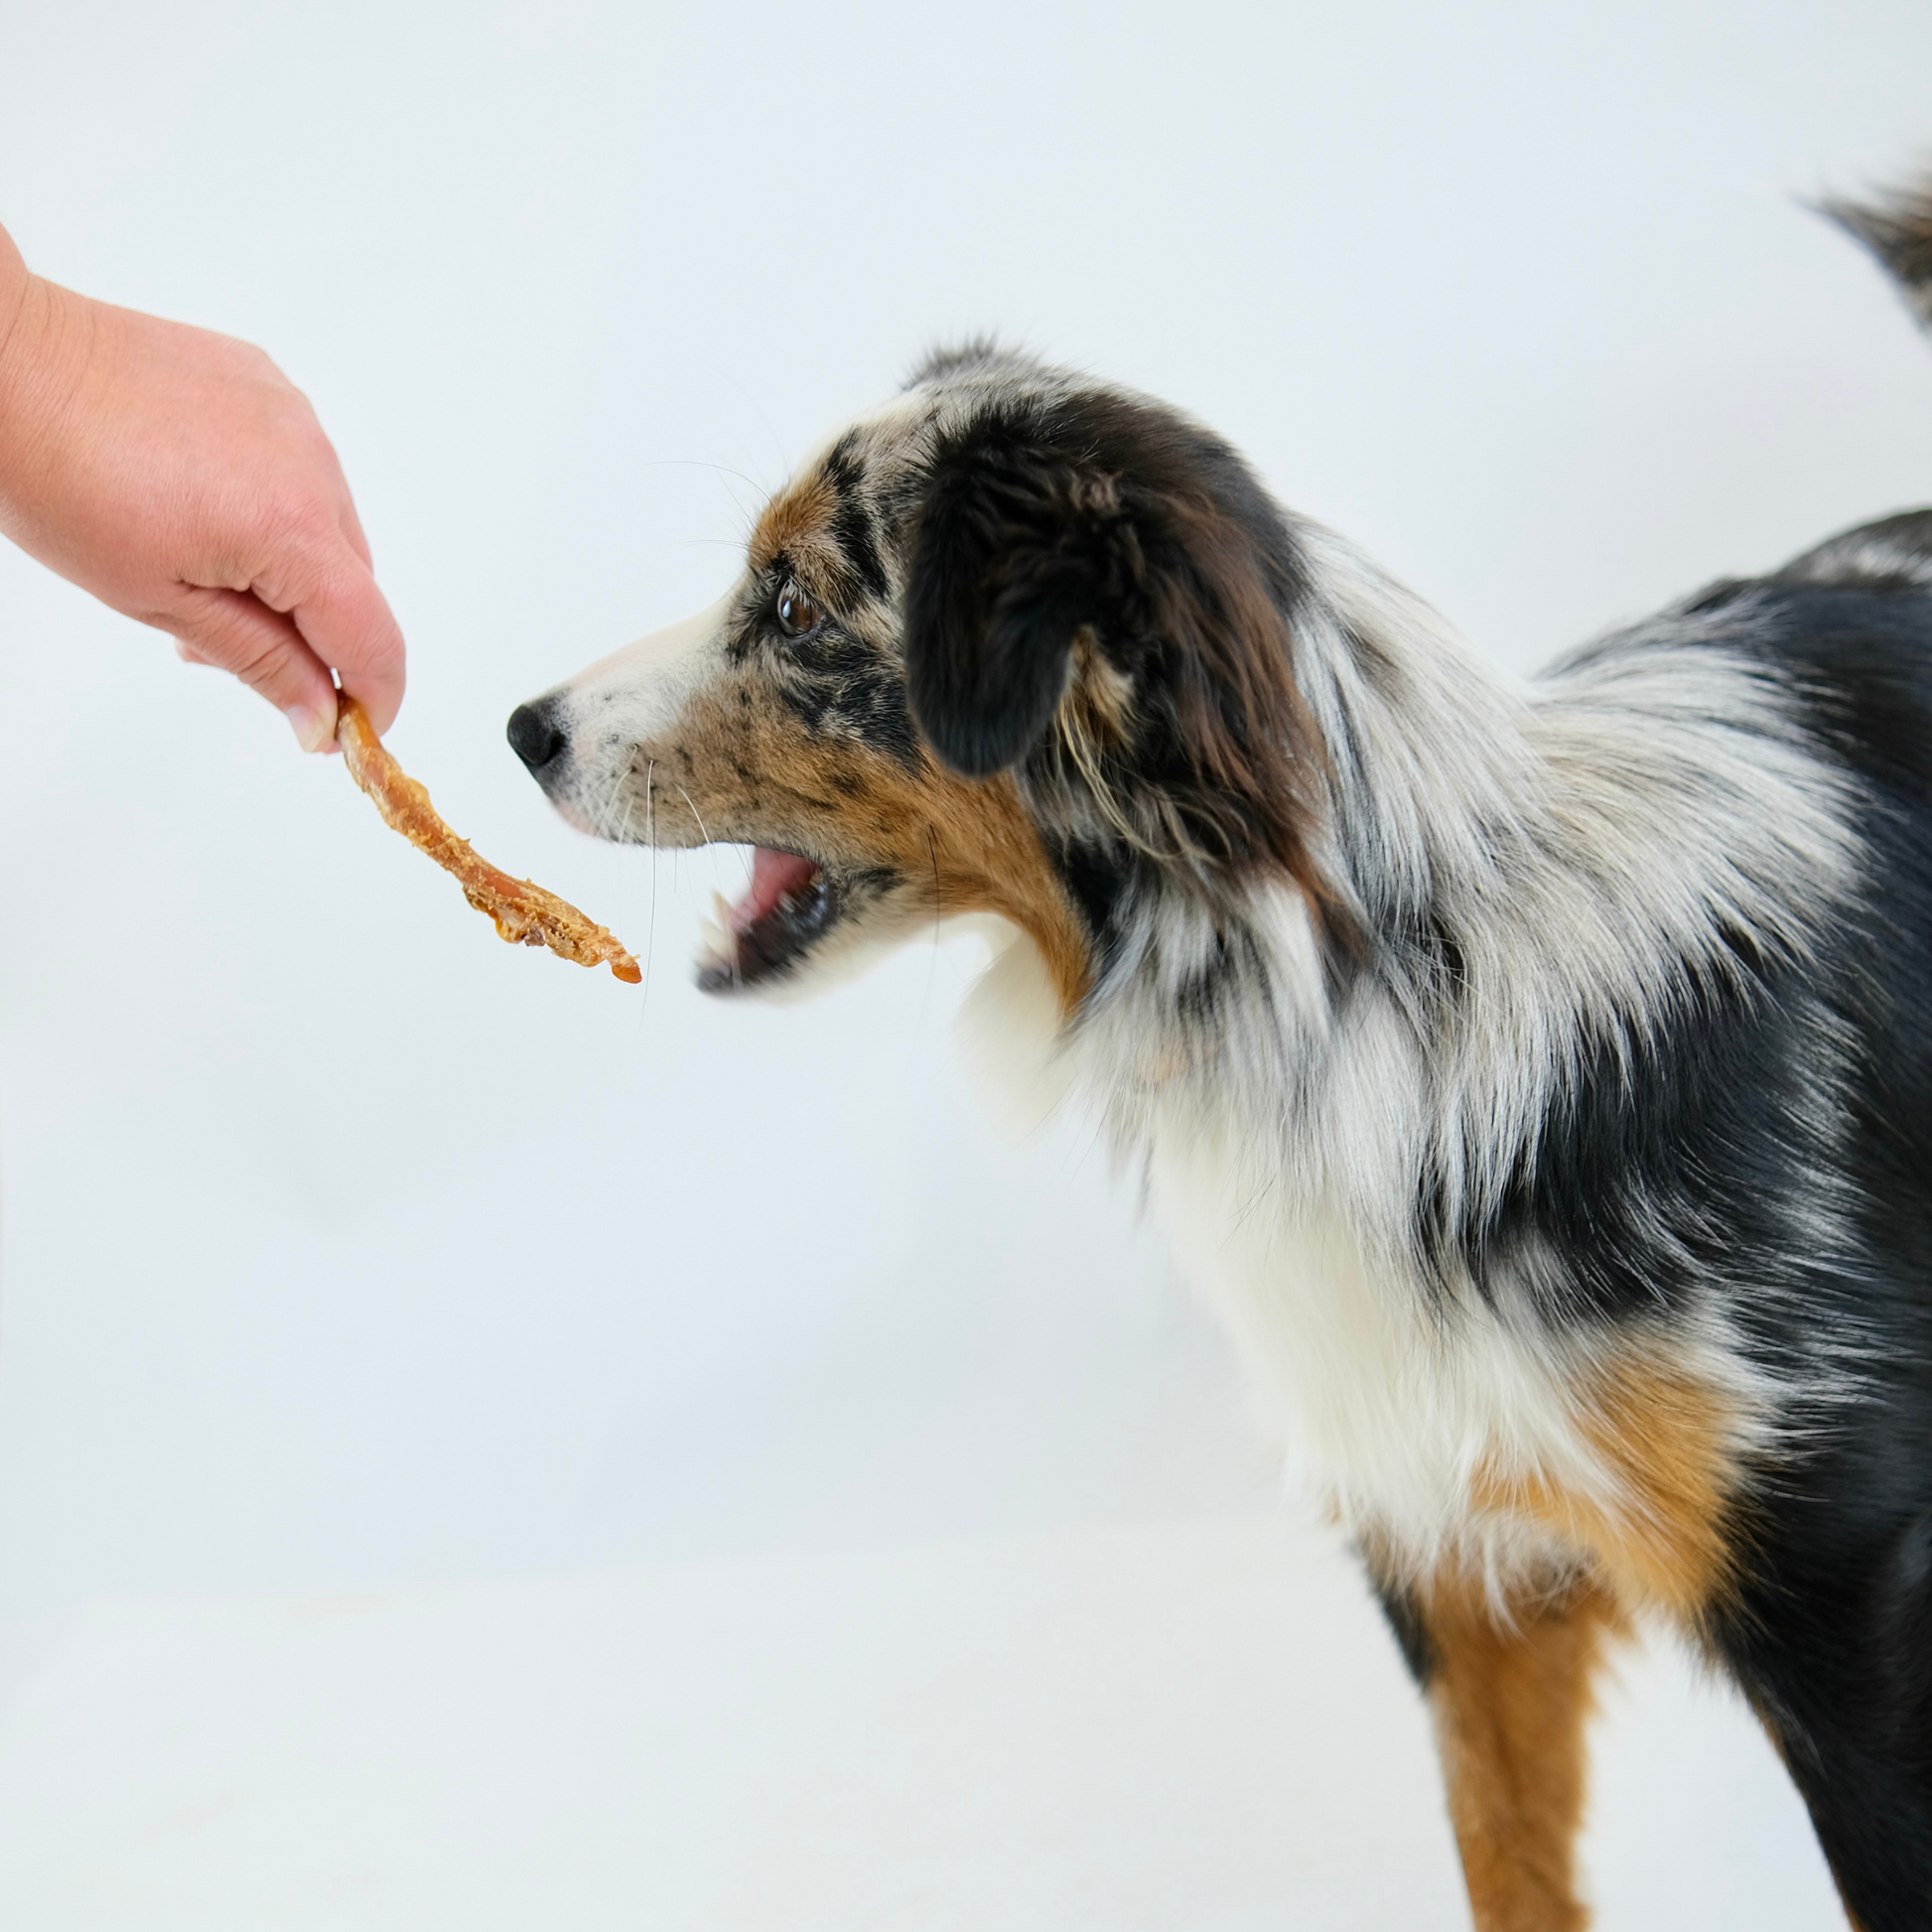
1015 643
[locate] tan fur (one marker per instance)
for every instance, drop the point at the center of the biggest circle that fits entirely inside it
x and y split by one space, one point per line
987 856
1667 1443
792 524
962 845
1511 1696
796 525
1097 711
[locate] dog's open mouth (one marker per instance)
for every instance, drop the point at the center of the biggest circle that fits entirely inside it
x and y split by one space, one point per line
790 904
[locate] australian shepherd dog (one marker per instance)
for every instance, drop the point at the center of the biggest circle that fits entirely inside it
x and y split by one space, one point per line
1538 1081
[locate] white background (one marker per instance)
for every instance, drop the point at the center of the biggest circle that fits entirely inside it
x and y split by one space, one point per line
479 1445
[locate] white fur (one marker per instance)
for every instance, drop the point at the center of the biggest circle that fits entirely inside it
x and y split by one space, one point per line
628 699
1384 1409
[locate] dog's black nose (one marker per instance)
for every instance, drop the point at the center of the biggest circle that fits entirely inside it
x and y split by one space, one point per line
533 734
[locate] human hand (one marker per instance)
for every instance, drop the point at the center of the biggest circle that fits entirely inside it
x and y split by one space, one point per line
180 477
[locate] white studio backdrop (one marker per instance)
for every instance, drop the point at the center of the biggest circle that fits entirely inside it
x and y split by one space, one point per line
343 1249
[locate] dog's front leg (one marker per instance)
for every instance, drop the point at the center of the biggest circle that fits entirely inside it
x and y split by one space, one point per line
1508 1681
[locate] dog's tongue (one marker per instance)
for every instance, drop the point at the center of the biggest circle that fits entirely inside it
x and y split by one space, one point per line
774 874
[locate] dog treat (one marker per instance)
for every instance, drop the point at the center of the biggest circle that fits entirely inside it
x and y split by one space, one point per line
524 913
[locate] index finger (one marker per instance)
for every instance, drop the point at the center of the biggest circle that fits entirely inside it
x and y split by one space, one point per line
346 622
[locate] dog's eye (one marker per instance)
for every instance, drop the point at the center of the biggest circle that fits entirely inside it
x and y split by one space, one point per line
796 612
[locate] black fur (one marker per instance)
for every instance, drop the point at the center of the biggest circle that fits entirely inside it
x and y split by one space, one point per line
842 686
1892 554
1012 562
1100 523
837 683
851 521
1832 1632
1099 874
1411 1629
1653 1174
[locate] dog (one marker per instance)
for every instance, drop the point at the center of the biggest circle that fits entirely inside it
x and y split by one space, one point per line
1538 1083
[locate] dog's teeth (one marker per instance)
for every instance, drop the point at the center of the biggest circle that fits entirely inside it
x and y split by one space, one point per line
717 940
715 946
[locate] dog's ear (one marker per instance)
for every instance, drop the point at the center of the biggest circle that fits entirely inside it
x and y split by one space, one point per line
1018 551
1113 551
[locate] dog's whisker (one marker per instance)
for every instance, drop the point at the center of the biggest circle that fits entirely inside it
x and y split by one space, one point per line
695 813
650 839
700 463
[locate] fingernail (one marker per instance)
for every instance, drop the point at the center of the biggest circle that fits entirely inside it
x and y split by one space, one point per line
312 731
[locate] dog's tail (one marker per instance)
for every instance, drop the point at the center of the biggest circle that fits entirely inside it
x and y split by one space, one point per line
1897 229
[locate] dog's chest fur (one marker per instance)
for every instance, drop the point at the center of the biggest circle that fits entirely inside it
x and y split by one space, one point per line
1387 1408
1389 1411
